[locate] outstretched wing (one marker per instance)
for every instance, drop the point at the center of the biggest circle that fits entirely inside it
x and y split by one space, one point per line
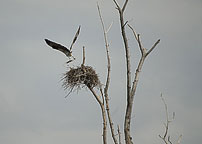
75 37
58 47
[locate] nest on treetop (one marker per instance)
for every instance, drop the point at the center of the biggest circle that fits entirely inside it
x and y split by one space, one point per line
80 77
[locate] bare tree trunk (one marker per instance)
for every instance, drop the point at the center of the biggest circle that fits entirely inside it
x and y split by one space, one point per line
130 90
128 138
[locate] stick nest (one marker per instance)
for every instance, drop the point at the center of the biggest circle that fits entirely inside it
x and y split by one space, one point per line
80 77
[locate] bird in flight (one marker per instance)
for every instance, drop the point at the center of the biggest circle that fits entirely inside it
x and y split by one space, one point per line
65 50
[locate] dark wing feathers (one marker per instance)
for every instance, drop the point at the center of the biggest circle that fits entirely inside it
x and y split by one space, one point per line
61 48
57 46
75 37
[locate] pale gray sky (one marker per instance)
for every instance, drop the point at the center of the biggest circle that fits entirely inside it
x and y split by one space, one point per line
32 104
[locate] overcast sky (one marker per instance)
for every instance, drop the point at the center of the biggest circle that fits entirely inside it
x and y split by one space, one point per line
33 109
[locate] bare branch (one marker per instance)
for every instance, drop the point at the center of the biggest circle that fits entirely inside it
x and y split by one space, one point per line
137 74
124 6
169 140
108 77
125 23
166 109
155 44
84 58
134 33
96 96
109 27
142 49
101 91
117 5
127 121
123 32
163 139
119 133
103 115
109 118
103 27
144 54
137 37
107 50
167 121
166 138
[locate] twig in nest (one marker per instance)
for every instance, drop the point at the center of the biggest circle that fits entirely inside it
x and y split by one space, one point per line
69 92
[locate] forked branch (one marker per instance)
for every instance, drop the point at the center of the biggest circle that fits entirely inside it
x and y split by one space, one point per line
119 8
142 49
166 138
131 90
144 53
124 6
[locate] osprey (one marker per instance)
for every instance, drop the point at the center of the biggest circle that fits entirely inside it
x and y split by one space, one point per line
65 50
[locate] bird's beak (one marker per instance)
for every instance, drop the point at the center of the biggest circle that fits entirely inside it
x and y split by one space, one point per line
74 58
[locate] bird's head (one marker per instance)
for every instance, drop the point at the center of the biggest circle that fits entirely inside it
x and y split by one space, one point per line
69 54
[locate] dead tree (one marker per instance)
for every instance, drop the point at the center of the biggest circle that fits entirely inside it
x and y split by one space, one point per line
85 75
